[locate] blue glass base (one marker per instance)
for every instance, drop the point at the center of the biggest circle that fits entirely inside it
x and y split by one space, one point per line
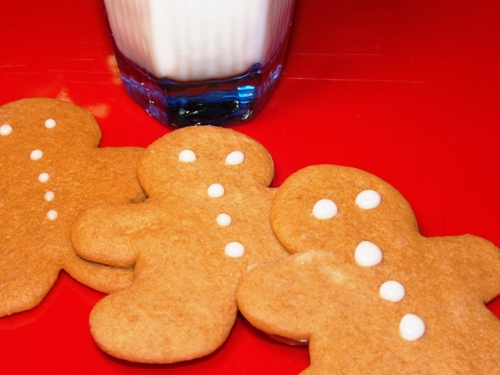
211 102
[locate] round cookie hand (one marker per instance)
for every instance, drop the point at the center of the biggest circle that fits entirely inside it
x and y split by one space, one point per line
52 168
366 289
205 221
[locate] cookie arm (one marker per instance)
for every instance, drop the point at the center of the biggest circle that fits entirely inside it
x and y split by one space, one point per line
114 169
476 260
109 234
106 279
273 297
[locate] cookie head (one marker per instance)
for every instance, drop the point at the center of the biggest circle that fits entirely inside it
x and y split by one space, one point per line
338 207
40 121
195 158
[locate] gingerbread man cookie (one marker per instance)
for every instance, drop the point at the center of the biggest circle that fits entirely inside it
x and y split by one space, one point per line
369 293
52 168
205 221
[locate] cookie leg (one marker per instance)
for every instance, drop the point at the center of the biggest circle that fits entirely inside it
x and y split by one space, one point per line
312 370
140 325
271 297
106 279
22 288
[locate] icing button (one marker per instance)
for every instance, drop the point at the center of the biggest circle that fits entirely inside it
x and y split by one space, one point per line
43 177
215 190
325 209
52 215
224 220
392 291
368 254
368 199
50 123
234 250
5 129
187 156
49 196
235 158
411 327
36 154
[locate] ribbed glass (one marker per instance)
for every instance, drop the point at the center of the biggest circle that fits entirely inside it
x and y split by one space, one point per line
196 54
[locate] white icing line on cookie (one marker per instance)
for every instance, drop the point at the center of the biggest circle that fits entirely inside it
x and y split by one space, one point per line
368 199
43 177
5 129
411 327
368 254
325 209
234 250
187 156
49 196
50 123
215 190
235 158
52 215
36 154
392 291
224 220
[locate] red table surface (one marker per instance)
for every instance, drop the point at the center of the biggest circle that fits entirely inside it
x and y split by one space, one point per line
407 90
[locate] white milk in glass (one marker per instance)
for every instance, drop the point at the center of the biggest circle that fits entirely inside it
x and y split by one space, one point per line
200 61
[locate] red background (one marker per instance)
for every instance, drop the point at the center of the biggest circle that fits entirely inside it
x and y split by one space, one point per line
407 90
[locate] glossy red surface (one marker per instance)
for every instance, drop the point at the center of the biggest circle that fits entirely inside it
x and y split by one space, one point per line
407 90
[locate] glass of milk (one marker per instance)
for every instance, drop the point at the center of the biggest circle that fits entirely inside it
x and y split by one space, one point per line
200 62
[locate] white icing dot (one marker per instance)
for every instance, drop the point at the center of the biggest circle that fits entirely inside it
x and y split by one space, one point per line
215 190
43 177
368 254
187 156
52 215
392 291
325 209
234 250
5 129
411 327
36 154
49 196
368 199
223 220
50 123
235 158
